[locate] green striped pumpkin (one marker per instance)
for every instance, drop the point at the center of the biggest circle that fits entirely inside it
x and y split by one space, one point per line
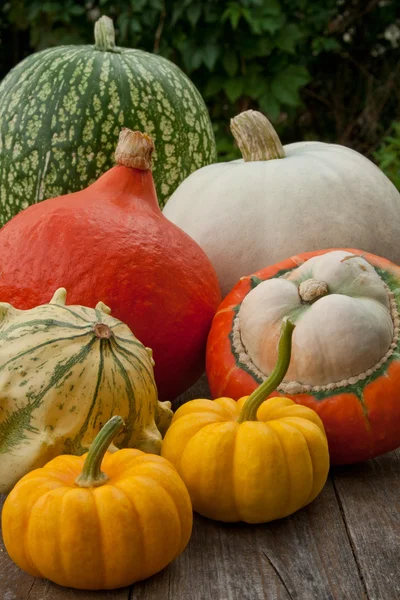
61 111
64 371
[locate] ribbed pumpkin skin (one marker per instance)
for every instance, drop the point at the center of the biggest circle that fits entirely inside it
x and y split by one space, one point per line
255 471
101 537
362 420
61 111
60 383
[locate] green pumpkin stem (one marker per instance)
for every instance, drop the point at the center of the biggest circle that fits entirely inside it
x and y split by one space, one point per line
256 137
104 34
254 401
92 475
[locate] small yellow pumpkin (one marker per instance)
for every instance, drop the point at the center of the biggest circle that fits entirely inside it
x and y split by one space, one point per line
254 460
83 528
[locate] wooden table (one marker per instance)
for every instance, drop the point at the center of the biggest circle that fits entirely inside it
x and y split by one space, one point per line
344 546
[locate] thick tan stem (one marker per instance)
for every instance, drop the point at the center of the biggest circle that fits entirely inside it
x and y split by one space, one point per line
311 290
256 137
134 150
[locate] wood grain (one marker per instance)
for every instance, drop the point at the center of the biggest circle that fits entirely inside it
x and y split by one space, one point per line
369 498
304 557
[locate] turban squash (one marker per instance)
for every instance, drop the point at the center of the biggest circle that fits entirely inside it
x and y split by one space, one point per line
345 360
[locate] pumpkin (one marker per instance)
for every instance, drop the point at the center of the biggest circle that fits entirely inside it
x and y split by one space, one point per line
281 200
252 460
90 529
345 359
64 370
112 241
61 111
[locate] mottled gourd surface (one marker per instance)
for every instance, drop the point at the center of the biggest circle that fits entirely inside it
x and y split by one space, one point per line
64 371
61 111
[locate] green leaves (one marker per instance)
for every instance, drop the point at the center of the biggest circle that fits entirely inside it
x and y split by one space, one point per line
388 154
193 13
230 62
240 54
288 38
286 84
234 88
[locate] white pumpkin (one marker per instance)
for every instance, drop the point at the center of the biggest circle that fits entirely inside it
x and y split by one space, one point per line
282 200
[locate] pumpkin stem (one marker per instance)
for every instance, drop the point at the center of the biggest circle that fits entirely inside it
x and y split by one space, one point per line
256 137
92 475
134 149
104 34
311 290
252 404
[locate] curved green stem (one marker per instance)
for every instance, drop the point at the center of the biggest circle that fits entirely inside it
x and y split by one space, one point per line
104 34
91 475
254 401
256 137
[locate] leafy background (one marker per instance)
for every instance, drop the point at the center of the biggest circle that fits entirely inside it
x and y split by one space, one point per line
326 70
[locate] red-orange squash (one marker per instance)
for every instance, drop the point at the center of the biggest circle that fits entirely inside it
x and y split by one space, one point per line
111 241
345 358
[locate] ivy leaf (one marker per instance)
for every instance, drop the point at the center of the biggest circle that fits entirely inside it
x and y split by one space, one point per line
230 62
273 7
194 13
137 6
135 26
210 55
288 38
177 12
76 10
270 106
157 4
234 89
254 48
270 24
233 13
324 44
256 86
286 84
214 85
192 57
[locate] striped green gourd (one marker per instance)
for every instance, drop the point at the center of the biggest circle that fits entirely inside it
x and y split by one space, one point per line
61 111
64 371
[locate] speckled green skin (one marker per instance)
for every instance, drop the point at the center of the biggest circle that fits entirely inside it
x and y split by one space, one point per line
61 111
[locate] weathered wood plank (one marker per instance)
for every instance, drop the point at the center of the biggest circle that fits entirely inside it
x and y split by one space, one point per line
369 497
304 557
222 563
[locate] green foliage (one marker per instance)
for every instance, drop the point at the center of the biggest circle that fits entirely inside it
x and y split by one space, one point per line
324 70
388 155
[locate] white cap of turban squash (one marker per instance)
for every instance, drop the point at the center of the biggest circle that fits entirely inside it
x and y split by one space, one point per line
346 323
